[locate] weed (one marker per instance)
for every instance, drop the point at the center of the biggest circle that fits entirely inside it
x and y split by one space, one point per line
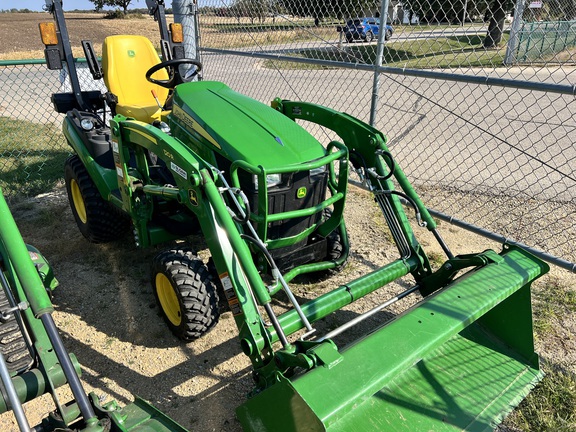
109 342
436 260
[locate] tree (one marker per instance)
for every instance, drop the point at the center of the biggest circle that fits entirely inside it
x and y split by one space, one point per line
123 4
564 10
251 9
320 9
495 15
436 11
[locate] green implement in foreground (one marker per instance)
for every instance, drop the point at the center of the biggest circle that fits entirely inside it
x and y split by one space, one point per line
33 360
178 157
460 360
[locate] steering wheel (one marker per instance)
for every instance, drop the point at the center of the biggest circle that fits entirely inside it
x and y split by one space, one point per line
172 66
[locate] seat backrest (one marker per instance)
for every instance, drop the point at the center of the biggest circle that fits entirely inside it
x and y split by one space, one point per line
125 61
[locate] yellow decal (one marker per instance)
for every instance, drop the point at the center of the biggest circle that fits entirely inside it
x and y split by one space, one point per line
193 197
192 124
145 135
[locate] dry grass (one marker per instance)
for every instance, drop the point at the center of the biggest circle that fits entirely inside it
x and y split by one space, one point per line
80 26
94 27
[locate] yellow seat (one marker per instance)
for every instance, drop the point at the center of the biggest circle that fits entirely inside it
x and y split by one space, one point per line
125 61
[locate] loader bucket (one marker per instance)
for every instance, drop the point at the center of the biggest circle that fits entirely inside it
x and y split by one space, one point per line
461 359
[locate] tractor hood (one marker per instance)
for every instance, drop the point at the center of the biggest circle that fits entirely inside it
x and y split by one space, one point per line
238 127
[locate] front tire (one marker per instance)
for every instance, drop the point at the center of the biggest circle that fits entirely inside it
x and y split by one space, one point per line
369 37
185 293
388 35
97 220
335 248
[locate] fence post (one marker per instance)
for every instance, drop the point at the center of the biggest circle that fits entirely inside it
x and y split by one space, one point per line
512 47
379 54
185 13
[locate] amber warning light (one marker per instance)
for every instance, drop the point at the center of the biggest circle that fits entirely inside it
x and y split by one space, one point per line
48 33
177 33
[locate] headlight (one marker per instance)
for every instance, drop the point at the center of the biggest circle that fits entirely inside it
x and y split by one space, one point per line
271 180
317 171
87 124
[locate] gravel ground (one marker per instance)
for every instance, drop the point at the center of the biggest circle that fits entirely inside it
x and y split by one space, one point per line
107 315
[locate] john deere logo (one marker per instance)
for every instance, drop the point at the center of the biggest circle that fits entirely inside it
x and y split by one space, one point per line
301 193
131 53
193 197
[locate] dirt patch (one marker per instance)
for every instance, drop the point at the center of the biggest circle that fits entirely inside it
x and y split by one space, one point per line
107 315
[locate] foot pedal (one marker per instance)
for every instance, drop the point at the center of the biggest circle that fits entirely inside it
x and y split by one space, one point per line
12 343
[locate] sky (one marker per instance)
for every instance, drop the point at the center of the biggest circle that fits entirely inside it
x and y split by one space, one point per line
36 5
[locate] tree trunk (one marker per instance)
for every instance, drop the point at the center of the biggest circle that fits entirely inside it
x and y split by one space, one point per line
497 15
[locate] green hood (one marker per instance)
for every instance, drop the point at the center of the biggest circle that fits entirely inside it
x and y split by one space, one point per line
241 128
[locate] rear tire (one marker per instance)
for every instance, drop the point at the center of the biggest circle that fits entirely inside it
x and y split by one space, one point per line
96 218
387 35
369 37
185 293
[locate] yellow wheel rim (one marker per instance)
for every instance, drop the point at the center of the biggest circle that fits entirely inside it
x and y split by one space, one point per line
168 299
78 201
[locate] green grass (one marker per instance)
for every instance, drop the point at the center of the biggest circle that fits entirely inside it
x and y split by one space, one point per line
443 52
552 300
551 406
31 157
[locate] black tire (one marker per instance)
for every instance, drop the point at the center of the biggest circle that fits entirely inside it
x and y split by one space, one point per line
369 37
388 35
96 218
335 250
185 293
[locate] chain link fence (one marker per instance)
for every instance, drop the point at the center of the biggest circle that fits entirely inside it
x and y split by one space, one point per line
484 140
32 148
485 132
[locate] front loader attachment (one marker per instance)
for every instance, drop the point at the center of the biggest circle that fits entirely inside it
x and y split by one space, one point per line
461 359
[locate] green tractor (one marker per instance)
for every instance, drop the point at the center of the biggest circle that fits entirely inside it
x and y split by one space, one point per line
33 360
177 157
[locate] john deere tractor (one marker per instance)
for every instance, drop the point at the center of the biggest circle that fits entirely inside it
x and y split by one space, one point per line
176 157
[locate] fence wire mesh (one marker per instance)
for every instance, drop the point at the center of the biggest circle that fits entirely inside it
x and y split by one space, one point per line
498 156
32 147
